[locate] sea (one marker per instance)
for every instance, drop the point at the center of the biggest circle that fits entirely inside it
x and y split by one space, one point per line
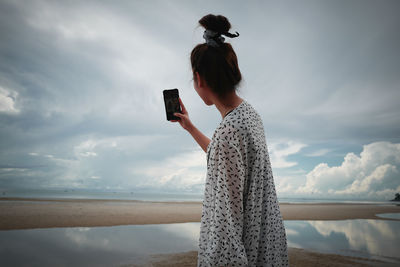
155 196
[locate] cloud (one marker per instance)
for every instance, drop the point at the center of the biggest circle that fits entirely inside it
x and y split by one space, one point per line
86 162
186 172
86 148
279 151
372 174
288 183
7 101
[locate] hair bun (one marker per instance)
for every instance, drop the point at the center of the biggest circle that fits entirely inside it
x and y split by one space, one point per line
217 66
217 23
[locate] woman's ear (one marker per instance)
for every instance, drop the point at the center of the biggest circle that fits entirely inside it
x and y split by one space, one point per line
199 80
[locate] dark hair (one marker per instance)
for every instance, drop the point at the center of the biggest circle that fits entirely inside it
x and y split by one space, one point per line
217 65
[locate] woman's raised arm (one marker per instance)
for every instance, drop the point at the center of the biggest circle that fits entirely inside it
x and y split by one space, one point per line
186 124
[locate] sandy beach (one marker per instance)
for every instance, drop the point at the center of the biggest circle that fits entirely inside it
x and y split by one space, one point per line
47 213
17 213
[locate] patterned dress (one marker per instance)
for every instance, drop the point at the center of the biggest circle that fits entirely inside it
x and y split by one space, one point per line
241 223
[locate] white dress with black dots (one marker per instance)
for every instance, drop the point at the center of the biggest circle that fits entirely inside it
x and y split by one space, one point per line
241 222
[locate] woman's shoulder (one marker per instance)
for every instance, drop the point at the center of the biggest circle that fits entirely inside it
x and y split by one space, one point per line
242 117
238 124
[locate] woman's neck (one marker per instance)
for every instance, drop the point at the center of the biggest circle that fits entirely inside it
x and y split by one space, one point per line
228 103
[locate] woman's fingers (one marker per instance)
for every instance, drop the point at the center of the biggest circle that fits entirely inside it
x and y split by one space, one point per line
183 106
176 114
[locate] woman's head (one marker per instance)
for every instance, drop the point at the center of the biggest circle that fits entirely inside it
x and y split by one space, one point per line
217 65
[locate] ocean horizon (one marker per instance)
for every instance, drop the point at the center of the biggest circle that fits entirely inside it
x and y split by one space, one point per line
154 196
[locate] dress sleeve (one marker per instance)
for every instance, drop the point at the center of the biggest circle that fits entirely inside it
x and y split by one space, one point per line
226 248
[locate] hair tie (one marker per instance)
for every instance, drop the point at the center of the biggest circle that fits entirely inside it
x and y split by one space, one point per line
215 39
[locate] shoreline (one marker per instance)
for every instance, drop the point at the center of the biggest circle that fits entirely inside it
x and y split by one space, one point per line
90 200
102 200
30 213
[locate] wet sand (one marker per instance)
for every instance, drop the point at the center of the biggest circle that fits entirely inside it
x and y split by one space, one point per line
17 213
297 257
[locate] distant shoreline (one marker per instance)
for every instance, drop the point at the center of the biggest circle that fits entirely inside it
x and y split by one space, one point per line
29 213
70 199
88 200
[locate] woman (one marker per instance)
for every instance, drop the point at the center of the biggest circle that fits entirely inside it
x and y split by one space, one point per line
241 223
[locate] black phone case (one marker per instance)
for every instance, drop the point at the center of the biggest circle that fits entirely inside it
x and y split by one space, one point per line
171 101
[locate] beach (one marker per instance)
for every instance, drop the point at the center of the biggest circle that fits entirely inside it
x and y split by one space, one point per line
18 213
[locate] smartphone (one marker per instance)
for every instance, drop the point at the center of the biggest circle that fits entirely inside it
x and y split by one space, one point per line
171 100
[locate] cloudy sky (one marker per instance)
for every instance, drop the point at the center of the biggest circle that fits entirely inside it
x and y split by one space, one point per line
81 93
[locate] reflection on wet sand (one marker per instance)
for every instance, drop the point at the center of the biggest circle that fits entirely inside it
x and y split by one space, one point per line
118 245
363 238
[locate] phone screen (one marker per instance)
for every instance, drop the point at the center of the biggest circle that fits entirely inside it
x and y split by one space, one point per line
172 103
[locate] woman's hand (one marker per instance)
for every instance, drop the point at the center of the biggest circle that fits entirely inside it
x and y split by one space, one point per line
186 124
184 117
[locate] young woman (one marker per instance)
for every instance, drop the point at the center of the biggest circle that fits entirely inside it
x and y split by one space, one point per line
241 223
